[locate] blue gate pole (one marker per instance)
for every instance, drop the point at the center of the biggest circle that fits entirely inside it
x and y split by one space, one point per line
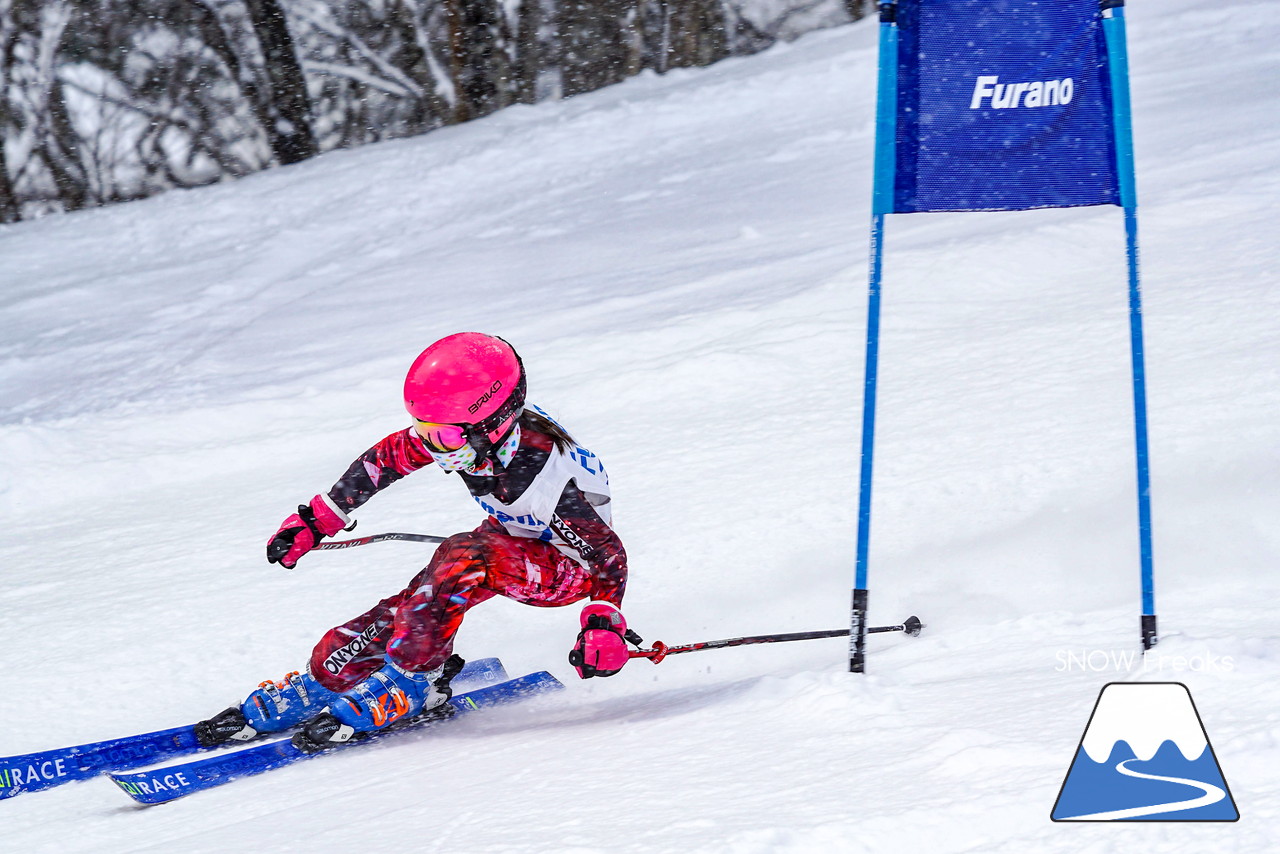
1117 58
881 204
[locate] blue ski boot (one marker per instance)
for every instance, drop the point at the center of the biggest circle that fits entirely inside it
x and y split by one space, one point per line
274 707
391 695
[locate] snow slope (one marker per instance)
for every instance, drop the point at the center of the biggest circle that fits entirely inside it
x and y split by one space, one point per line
681 261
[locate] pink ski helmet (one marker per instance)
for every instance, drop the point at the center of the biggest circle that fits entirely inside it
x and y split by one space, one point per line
472 381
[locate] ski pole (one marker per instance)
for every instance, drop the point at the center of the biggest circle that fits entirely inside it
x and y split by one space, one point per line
660 650
378 538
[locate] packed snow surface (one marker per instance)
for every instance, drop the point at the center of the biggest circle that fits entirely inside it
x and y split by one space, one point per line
682 263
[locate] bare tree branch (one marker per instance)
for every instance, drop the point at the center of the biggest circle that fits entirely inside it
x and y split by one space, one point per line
333 69
331 28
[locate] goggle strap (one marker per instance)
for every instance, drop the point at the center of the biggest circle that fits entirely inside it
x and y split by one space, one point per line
514 404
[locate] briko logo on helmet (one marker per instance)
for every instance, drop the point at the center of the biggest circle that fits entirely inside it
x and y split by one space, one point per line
488 395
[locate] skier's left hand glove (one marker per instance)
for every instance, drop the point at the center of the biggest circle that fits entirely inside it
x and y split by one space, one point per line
301 531
601 649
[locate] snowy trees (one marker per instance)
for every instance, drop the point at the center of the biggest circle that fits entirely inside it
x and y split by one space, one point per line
105 101
289 124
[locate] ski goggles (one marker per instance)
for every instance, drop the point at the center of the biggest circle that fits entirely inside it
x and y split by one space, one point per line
441 438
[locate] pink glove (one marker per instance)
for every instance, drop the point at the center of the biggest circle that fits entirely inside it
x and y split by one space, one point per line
301 531
601 649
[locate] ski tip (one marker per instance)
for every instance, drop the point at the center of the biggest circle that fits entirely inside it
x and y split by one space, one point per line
529 685
913 626
538 682
548 682
482 671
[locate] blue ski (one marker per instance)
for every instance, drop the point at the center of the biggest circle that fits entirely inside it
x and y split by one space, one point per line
32 772
160 785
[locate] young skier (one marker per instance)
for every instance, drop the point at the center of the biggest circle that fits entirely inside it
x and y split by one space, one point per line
547 542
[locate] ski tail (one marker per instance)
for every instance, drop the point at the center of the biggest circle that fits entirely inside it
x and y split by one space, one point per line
33 772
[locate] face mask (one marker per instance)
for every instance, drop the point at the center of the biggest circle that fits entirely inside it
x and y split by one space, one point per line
464 458
460 460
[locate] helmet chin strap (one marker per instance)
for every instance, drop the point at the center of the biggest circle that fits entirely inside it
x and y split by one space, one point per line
506 449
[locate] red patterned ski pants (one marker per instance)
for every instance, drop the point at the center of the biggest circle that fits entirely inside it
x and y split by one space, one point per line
414 628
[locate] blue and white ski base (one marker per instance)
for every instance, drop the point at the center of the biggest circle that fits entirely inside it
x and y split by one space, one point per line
160 785
32 772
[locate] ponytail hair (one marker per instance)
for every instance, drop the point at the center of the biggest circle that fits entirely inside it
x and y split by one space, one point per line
533 420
